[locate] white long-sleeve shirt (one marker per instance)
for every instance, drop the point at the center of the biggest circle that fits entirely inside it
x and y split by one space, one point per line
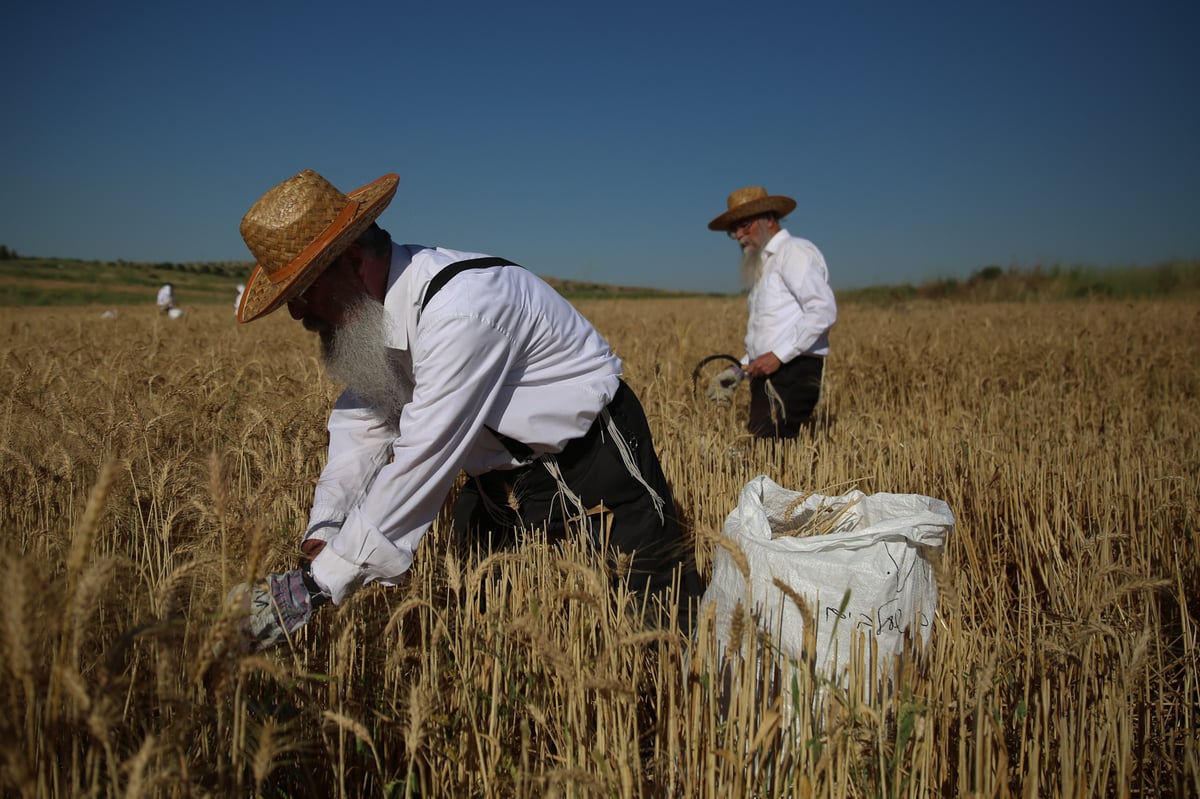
495 347
791 307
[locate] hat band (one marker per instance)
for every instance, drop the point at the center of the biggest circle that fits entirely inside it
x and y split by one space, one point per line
305 256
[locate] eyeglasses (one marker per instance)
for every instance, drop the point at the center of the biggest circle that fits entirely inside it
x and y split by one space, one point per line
736 231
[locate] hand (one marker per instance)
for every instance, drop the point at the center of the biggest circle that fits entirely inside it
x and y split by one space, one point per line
764 365
273 609
724 384
312 547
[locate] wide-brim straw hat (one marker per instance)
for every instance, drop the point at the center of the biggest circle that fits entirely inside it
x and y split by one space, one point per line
751 201
297 229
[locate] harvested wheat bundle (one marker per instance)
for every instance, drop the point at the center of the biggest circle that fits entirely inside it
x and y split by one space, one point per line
828 517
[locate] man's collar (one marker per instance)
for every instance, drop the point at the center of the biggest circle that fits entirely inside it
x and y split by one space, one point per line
772 246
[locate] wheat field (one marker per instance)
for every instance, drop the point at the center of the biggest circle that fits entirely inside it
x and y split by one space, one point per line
149 464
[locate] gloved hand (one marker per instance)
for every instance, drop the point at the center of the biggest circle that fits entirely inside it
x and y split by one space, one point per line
276 607
725 383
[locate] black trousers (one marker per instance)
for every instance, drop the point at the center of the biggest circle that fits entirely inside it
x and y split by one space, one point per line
592 467
797 385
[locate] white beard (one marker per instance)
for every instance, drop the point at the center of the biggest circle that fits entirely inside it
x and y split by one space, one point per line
751 264
357 356
750 267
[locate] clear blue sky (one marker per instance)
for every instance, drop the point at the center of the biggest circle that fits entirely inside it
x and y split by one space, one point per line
596 141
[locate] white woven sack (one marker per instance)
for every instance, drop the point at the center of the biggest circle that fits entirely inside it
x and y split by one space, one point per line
876 552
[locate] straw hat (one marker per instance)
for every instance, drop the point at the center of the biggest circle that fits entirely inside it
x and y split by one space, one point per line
297 229
751 201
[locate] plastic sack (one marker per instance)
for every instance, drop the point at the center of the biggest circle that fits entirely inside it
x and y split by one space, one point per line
864 572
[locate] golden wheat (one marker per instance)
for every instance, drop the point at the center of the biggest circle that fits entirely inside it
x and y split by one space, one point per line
148 464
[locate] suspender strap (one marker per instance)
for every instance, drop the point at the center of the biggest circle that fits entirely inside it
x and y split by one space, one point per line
443 277
517 449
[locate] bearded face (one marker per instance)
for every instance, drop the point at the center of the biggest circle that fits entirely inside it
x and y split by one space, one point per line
751 262
356 355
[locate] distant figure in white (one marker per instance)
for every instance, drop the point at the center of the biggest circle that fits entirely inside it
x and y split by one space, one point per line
166 301
237 301
166 298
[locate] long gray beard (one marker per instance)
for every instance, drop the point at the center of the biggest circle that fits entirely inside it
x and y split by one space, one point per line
357 356
750 267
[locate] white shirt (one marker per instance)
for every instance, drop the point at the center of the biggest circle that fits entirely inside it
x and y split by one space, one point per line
495 347
166 296
791 307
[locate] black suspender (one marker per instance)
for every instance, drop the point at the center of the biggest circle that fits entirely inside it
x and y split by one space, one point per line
443 277
517 449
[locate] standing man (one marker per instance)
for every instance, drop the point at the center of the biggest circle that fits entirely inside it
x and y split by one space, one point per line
452 362
791 309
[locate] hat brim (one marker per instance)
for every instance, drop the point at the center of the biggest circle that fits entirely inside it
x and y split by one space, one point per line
262 296
777 203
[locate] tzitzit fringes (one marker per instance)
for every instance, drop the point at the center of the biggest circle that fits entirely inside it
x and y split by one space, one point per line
778 415
565 495
630 464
